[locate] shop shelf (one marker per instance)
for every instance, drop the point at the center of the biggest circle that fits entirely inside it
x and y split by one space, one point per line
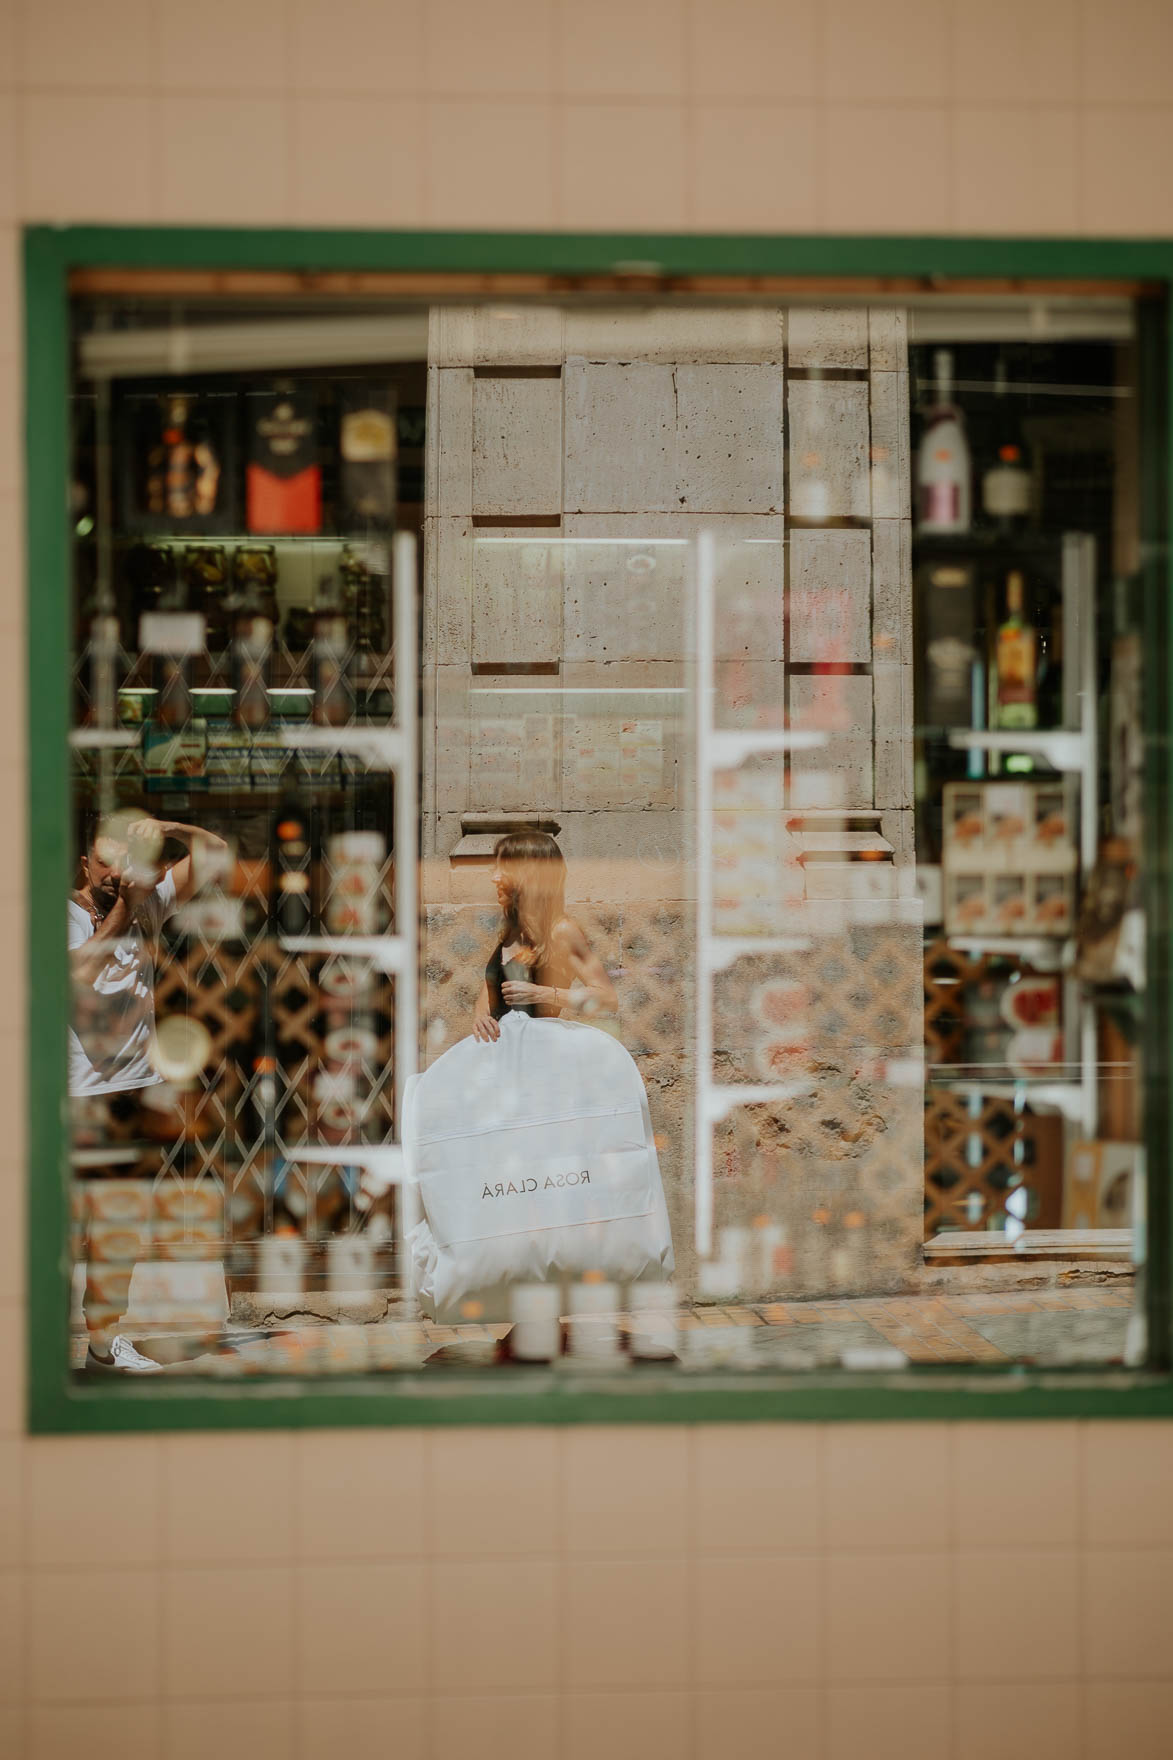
390 953
103 739
1065 1096
1050 953
99 1157
381 748
383 1164
1060 747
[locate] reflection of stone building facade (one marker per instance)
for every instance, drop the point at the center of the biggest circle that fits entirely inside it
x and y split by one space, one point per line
571 458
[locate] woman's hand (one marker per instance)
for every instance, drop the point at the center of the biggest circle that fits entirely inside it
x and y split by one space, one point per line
485 1028
518 993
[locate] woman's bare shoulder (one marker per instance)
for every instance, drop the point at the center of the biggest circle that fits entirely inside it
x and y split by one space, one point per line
568 932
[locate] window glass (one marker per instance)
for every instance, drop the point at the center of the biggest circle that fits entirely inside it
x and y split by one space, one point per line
608 836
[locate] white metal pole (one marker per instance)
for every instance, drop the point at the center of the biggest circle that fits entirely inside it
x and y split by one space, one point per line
705 685
403 582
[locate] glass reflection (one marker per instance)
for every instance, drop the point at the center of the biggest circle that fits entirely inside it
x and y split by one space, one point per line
776 674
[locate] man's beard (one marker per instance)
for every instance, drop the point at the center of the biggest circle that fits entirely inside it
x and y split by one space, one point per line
105 898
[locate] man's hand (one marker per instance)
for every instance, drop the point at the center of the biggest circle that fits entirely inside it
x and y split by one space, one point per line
144 847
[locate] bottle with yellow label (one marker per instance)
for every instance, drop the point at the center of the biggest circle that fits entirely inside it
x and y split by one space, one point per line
1016 662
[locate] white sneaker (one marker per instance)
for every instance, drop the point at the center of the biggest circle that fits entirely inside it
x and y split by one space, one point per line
124 1357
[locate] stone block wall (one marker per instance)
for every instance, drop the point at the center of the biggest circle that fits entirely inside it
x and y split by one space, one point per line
573 459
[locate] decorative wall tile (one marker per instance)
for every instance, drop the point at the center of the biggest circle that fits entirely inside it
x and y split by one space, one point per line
494 1626
322 53
757 1620
472 50
1042 1641
623 165
627 1623
70 43
888 1616
757 165
887 166
754 48
650 63
490 162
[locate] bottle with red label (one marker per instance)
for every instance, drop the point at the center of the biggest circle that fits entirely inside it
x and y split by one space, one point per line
944 491
284 474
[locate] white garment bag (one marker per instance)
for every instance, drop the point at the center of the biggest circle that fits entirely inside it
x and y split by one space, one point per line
533 1157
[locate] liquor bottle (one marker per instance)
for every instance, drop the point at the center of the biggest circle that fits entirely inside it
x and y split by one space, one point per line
1016 662
333 695
172 671
367 448
293 855
252 647
183 468
284 475
105 652
1006 485
364 596
205 567
943 492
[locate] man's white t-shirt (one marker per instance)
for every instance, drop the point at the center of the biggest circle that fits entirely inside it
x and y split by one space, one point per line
114 1014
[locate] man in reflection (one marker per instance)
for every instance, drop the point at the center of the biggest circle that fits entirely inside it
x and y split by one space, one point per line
115 914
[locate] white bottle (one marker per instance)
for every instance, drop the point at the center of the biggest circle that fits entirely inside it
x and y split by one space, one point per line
943 472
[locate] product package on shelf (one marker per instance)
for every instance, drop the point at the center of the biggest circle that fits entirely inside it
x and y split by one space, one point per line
284 474
367 451
1098 1188
176 460
174 756
1009 858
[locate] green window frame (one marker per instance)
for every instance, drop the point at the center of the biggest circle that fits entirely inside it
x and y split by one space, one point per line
55 1405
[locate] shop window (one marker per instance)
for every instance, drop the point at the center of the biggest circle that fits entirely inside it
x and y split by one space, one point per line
608 841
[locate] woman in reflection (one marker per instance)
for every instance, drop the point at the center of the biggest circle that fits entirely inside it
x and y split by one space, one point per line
543 963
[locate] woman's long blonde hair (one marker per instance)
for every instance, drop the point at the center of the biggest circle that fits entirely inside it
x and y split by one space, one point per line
539 891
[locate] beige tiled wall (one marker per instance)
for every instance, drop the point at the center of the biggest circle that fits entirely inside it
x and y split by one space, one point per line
846 1593
819 1593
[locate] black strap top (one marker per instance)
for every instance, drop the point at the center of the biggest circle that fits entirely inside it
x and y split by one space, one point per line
496 972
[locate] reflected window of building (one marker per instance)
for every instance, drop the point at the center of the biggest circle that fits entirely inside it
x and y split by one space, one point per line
607 835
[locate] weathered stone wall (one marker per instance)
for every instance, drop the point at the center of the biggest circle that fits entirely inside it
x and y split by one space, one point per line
572 460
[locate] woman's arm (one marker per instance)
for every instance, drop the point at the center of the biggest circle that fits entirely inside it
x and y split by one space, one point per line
592 991
484 1027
